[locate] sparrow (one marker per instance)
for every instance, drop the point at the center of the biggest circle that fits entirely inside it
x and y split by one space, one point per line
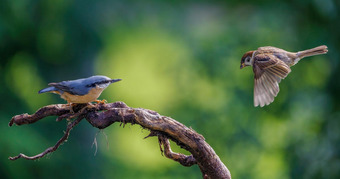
270 66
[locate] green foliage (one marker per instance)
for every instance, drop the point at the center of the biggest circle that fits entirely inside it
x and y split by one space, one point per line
182 60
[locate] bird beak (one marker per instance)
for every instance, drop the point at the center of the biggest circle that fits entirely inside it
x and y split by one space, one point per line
115 80
242 65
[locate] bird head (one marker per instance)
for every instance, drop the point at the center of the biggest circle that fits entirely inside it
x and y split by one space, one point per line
100 81
247 59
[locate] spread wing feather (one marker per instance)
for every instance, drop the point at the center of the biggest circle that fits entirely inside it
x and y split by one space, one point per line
268 70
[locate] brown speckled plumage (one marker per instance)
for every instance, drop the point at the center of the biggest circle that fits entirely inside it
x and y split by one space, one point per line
270 65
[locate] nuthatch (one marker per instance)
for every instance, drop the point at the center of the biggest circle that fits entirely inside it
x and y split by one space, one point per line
83 90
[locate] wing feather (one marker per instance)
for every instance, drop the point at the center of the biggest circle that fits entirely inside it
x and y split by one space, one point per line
61 87
268 84
268 70
73 87
269 49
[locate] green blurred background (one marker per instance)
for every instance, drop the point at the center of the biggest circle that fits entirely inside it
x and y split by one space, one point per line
180 58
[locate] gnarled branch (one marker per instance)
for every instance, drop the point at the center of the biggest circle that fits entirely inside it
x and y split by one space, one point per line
165 128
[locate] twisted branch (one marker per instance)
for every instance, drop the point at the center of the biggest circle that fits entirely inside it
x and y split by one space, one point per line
165 128
50 149
181 158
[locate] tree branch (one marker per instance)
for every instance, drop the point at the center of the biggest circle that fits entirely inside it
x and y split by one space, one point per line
103 115
181 158
50 149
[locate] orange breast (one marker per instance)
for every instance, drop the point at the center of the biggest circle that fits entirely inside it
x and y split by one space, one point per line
93 94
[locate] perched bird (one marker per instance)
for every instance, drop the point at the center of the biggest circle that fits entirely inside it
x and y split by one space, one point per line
83 90
270 65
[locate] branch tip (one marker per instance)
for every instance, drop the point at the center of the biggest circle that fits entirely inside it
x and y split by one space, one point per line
152 134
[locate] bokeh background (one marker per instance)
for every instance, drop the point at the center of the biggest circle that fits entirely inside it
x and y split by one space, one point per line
180 58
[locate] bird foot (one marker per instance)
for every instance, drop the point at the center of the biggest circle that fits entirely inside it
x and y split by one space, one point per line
71 107
101 101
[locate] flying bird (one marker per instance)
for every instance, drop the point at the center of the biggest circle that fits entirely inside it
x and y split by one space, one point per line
270 66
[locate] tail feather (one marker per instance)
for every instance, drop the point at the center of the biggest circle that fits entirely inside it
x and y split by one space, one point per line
314 51
49 89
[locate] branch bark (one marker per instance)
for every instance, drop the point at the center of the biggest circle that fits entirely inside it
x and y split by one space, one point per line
165 128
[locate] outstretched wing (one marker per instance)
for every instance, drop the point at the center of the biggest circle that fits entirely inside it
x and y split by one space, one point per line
268 70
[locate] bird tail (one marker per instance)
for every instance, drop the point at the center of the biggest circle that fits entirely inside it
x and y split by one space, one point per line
314 51
49 89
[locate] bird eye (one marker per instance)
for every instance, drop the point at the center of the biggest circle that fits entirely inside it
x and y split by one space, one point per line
247 59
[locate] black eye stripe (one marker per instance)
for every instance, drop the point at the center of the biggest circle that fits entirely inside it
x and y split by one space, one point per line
98 83
91 85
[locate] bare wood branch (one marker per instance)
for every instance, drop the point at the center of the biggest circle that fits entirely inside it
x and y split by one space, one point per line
50 149
178 157
103 115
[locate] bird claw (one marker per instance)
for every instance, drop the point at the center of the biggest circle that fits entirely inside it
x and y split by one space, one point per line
101 101
71 107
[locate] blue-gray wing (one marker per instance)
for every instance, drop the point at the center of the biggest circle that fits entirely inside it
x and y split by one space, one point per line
49 89
74 87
